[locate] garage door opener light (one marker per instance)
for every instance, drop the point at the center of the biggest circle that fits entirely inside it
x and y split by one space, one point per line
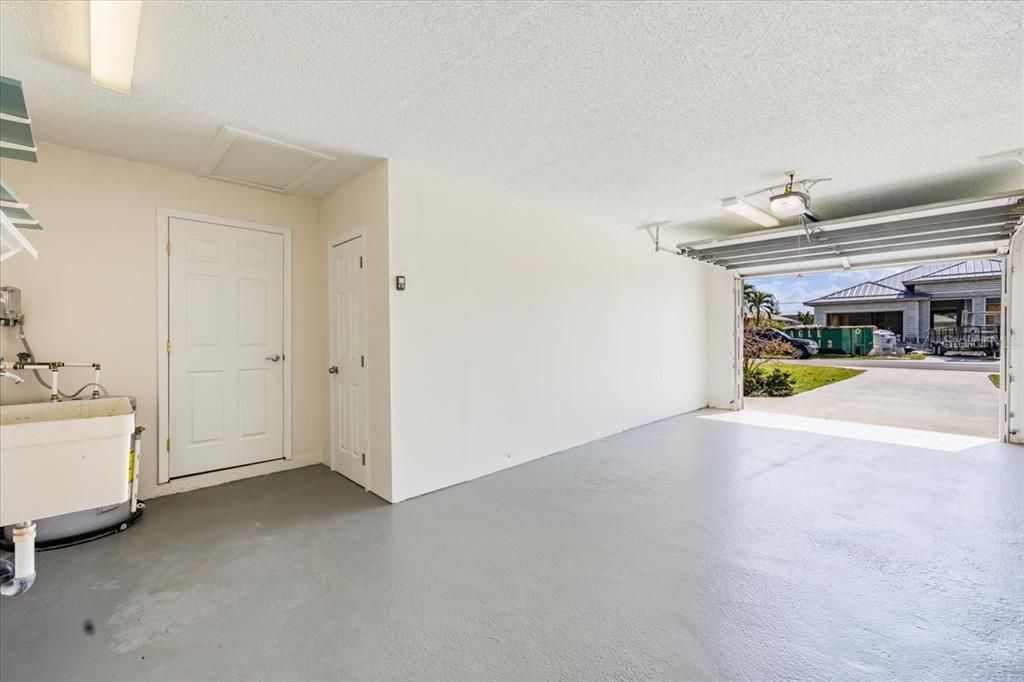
750 212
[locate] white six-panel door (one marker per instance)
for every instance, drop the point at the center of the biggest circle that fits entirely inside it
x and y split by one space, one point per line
348 359
225 359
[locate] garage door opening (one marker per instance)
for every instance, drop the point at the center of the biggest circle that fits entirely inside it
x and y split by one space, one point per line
921 330
864 352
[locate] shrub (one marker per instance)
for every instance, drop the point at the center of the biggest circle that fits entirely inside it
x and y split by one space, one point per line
779 382
757 350
753 382
776 383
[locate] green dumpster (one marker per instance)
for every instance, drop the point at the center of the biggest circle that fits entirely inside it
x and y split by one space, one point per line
838 340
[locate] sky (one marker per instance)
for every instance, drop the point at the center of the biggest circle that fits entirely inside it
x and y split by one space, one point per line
791 291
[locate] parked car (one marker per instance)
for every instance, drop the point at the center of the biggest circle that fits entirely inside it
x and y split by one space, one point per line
805 348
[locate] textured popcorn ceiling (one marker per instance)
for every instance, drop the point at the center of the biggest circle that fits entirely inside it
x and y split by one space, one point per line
626 111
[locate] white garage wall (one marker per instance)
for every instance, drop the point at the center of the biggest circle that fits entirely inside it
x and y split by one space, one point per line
525 330
92 294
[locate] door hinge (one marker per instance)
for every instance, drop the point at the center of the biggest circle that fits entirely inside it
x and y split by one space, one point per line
168 345
364 459
360 262
362 361
167 248
168 445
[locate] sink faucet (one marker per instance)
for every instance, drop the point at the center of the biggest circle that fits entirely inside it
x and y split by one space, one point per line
7 374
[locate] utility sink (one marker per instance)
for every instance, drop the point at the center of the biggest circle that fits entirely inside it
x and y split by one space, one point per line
63 457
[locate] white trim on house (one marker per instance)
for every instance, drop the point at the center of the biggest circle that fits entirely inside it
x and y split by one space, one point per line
164 216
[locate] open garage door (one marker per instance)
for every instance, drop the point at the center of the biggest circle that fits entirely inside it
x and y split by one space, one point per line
992 227
958 229
1013 356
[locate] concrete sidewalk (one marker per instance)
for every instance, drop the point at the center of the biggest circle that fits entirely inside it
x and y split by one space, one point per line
953 402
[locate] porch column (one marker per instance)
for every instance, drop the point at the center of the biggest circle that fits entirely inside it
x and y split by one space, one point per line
925 321
910 321
977 310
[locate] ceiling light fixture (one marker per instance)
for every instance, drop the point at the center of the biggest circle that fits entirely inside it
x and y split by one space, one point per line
113 33
791 202
750 212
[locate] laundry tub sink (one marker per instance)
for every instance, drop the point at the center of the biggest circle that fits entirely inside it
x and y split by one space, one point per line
63 457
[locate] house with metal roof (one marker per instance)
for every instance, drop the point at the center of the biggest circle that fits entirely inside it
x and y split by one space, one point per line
913 302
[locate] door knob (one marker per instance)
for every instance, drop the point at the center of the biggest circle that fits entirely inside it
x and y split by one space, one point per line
333 369
274 358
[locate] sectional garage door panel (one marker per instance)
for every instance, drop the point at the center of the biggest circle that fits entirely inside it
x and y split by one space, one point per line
937 231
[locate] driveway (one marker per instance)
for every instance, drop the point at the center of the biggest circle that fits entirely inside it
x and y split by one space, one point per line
953 402
954 363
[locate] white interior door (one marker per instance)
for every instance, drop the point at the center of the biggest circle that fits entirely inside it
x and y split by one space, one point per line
1012 382
348 360
226 346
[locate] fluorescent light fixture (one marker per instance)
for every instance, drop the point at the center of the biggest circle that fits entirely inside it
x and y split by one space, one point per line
113 32
750 212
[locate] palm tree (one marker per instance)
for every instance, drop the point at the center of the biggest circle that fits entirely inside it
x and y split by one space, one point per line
748 291
761 303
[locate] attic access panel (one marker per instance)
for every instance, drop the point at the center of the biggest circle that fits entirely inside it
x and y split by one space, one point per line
257 161
959 229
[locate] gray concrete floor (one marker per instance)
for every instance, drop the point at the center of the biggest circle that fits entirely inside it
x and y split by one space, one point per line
966 403
687 549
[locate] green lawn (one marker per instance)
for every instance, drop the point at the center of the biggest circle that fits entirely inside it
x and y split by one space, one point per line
994 378
810 377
